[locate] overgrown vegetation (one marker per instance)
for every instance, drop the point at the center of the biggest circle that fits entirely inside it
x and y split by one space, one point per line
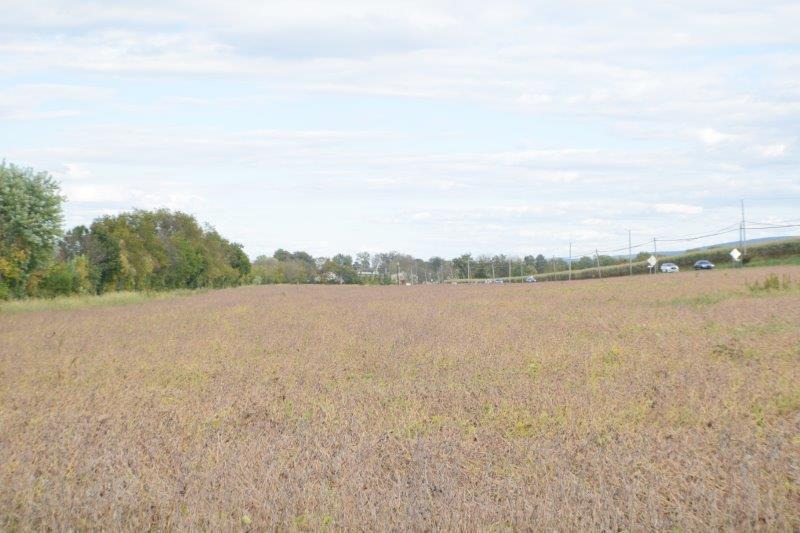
78 301
771 283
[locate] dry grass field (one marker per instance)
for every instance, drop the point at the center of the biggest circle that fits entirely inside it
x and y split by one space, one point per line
667 402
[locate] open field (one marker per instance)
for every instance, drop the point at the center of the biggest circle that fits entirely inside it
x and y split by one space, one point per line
652 402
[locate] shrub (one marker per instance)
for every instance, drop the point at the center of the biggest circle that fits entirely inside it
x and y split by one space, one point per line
57 281
771 283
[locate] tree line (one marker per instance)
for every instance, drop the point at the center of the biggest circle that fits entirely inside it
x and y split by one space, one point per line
163 249
138 250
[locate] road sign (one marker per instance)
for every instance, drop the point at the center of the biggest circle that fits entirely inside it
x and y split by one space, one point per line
736 254
652 261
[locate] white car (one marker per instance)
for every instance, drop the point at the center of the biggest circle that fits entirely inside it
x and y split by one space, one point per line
669 267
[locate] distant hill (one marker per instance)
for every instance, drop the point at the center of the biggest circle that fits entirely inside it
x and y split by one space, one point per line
729 244
736 243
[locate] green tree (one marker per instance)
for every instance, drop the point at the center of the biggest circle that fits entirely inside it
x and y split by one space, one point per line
540 263
460 266
363 261
30 224
343 260
303 257
282 255
157 250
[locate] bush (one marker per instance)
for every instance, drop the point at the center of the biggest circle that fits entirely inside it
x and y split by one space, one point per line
57 281
771 283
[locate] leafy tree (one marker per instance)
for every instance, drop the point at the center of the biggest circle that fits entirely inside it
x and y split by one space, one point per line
303 257
282 255
363 261
342 260
436 266
30 224
57 281
540 263
238 259
341 268
157 250
460 265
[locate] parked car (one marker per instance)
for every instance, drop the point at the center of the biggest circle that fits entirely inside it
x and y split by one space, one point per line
669 267
703 264
530 279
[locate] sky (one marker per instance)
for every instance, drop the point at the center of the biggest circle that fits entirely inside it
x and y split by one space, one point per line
427 127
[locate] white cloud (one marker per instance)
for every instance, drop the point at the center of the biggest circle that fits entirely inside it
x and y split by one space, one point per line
711 136
678 209
479 120
772 150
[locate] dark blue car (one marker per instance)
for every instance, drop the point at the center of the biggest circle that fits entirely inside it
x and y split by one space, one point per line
703 264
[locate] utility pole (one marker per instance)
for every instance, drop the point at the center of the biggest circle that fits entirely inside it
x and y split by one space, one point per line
630 255
744 232
597 258
398 272
570 261
468 277
509 269
655 254
492 268
741 232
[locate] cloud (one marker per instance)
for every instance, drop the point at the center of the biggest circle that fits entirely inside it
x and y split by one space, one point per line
711 136
772 150
569 121
124 197
47 101
678 209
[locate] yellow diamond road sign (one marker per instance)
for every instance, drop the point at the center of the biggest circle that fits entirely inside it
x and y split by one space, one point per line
652 261
736 254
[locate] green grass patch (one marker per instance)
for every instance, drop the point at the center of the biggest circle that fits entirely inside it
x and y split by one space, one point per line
705 299
109 299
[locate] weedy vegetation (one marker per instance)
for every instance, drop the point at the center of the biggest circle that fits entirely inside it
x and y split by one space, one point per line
109 299
668 402
772 283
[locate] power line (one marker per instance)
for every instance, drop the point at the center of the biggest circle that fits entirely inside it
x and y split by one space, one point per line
741 227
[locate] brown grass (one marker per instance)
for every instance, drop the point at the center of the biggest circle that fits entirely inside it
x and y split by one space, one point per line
658 402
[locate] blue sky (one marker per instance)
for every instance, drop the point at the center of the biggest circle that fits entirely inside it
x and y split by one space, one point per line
425 127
